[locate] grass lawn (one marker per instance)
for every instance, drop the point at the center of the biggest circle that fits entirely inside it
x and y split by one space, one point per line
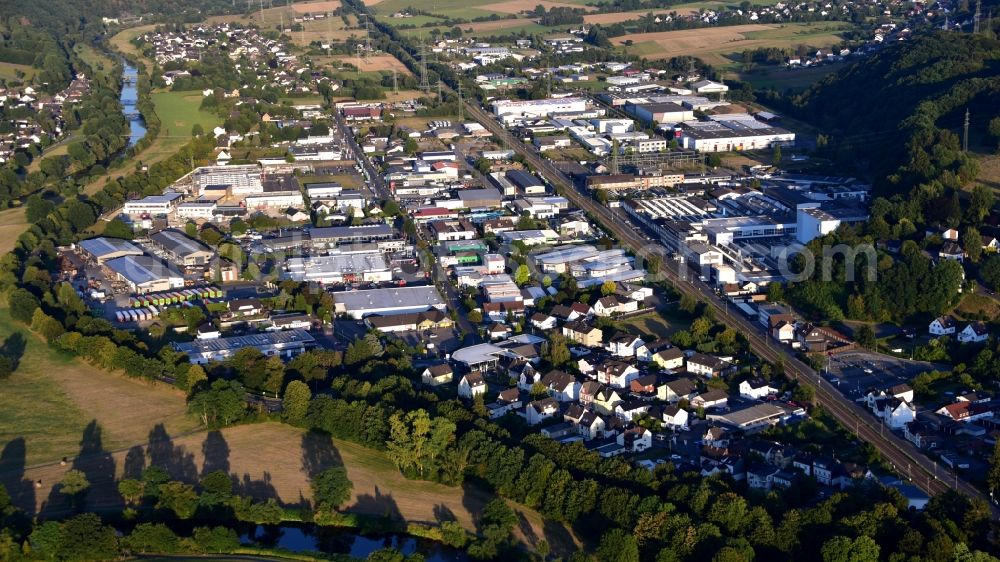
530 28
661 324
782 78
276 460
12 224
973 305
122 41
9 70
96 60
52 396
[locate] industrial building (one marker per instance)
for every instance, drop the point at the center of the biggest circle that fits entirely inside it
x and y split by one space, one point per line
238 180
285 344
733 132
366 267
510 110
101 249
396 300
335 235
145 274
153 205
180 249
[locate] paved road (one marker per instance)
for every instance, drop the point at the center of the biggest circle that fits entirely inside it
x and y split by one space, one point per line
902 455
372 176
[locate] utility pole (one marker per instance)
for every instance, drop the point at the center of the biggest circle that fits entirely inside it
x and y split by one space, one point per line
395 84
439 90
262 12
965 132
461 105
424 85
282 28
614 158
975 18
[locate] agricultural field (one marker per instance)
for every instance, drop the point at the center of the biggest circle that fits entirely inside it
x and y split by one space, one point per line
374 63
9 71
719 46
619 17
467 9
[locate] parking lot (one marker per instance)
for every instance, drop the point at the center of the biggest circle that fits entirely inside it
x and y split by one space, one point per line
856 371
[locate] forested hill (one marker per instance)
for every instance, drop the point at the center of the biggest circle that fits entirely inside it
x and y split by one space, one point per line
74 15
901 110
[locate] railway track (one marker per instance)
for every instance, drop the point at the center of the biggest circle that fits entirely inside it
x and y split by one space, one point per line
905 459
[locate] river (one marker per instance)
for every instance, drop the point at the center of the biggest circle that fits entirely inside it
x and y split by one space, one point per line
340 541
129 97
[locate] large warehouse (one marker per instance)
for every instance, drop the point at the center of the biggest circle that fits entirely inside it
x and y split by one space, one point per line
286 343
366 267
103 249
733 132
359 304
181 249
144 274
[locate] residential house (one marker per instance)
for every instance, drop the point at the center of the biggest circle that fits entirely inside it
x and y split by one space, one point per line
782 330
561 385
951 251
646 351
526 376
543 321
616 373
669 359
589 424
644 386
707 365
623 344
676 390
583 333
575 311
756 389
471 384
921 434
628 410
894 412
976 332
675 417
716 437
965 411
498 332
773 453
588 391
942 326
605 400
436 375
612 305
508 401
635 439
716 398
540 410
761 476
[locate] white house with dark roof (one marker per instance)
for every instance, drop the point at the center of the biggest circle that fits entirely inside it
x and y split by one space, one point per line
623 344
975 332
756 389
471 385
540 410
675 417
942 326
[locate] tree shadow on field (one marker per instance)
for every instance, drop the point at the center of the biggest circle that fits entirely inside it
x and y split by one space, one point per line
135 462
13 348
162 452
558 537
319 453
98 467
215 453
444 513
12 463
379 505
